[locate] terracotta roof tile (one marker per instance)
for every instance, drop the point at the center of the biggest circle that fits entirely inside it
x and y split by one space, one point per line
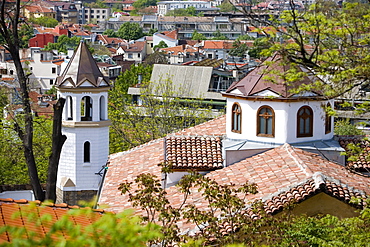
197 152
362 164
281 171
22 213
126 166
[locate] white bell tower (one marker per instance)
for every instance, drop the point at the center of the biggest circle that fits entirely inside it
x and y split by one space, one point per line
86 125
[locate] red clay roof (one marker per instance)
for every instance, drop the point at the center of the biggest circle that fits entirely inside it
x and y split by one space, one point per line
283 172
362 164
197 152
145 159
218 44
18 213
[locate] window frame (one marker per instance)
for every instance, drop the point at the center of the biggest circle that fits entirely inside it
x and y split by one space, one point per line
310 133
238 112
258 132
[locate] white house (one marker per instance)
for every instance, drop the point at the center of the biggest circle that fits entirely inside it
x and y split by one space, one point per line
170 42
45 68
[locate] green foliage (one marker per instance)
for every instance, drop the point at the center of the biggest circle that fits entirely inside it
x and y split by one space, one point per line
226 6
96 4
122 229
11 157
110 33
64 43
344 127
239 49
44 21
152 31
25 33
130 31
149 118
190 11
156 57
259 45
330 44
219 36
198 36
245 37
160 45
223 205
140 4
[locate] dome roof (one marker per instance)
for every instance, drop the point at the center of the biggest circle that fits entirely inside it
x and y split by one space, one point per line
265 78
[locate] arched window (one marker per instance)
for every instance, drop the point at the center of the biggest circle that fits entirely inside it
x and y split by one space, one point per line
236 121
102 108
265 121
86 109
327 119
305 122
86 152
69 108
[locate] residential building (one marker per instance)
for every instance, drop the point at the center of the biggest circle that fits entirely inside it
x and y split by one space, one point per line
37 11
45 68
41 40
230 27
108 41
94 15
111 71
66 12
170 42
133 51
164 6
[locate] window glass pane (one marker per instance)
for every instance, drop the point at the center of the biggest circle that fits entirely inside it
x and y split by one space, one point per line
269 126
301 125
262 125
307 126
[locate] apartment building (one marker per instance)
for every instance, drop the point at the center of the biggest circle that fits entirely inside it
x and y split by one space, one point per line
164 6
230 27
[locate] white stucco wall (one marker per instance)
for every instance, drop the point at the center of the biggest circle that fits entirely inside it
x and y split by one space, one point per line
72 164
285 121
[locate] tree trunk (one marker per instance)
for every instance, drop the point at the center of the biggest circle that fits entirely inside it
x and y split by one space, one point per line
57 144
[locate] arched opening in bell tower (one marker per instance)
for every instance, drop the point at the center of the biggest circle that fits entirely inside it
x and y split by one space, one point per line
69 108
102 108
86 109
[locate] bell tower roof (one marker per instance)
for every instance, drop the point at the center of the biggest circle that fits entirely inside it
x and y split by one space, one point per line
82 71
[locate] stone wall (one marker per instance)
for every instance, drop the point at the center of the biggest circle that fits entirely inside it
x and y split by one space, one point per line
73 197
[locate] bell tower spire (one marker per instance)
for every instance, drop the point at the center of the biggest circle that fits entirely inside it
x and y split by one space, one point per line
86 125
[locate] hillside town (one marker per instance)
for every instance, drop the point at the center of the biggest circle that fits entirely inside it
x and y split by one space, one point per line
211 119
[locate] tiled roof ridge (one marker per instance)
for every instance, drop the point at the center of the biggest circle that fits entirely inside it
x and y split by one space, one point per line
297 160
318 183
199 125
48 204
173 135
115 155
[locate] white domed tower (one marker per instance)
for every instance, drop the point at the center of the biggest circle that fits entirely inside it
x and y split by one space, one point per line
263 112
86 125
